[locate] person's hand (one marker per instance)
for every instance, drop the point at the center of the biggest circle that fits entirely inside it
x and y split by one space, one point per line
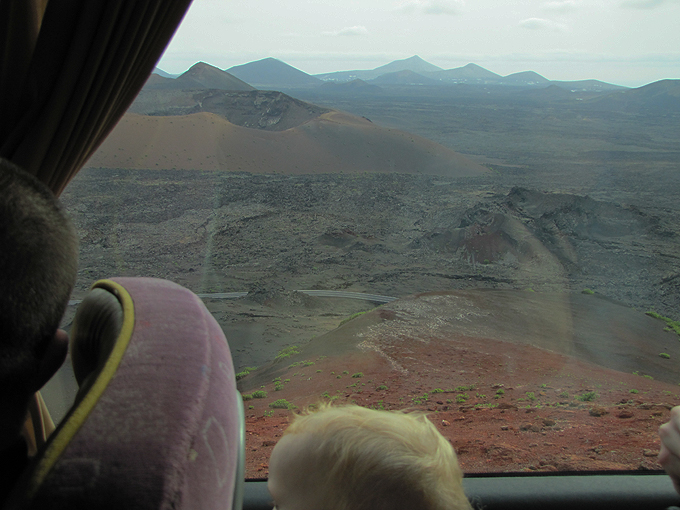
669 455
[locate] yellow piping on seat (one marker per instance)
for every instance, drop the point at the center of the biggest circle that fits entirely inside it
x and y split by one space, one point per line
78 415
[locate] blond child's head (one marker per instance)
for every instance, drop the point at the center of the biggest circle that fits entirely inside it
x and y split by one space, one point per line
353 458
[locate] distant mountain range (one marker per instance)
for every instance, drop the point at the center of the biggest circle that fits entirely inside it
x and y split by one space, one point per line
273 74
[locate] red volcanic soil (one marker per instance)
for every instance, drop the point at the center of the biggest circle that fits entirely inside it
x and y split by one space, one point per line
506 406
334 142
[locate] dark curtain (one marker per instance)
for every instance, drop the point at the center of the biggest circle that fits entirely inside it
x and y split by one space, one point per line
69 70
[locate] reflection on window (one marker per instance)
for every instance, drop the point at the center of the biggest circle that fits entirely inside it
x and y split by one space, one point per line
498 251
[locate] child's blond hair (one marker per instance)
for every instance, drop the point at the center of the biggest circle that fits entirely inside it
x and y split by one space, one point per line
383 459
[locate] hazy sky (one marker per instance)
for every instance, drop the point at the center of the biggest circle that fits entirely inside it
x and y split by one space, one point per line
628 42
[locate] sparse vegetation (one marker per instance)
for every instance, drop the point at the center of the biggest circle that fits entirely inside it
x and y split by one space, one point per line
437 390
634 391
244 372
466 388
382 387
304 363
259 394
588 396
672 325
287 353
281 403
351 317
357 375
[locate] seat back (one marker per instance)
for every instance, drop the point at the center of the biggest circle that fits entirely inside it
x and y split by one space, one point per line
160 425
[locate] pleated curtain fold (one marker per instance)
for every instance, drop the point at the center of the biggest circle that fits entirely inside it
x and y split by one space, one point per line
69 70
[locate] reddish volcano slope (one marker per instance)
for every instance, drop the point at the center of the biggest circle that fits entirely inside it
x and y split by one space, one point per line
507 405
331 143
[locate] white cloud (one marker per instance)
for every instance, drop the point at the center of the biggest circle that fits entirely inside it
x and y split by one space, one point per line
542 24
561 6
645 4
436 7
350 31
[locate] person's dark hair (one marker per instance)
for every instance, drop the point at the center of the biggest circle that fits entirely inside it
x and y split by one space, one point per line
38 268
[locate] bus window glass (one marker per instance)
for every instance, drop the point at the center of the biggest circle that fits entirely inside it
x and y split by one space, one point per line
461 207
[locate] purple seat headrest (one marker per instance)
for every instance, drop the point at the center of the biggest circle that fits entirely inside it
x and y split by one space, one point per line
160 424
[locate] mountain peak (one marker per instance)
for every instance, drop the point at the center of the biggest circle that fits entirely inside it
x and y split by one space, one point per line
272 73
414 64
203 75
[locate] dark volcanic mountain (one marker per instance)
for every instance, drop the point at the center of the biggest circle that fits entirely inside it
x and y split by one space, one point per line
524 78
661 97
351 87
414 64
404 78
199 76
258 109
272 74
587 85
162 73
471 73
202 75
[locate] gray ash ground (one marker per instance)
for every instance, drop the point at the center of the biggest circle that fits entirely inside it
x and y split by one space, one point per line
384 234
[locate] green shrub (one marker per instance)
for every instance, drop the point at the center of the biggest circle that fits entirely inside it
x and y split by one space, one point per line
353 316
287 353
246 396
587 291
244 372
501 391
634 391
673 325
281 403
437 390
665 355
466 388
357 375
382 387
259 394
589 396
278 387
